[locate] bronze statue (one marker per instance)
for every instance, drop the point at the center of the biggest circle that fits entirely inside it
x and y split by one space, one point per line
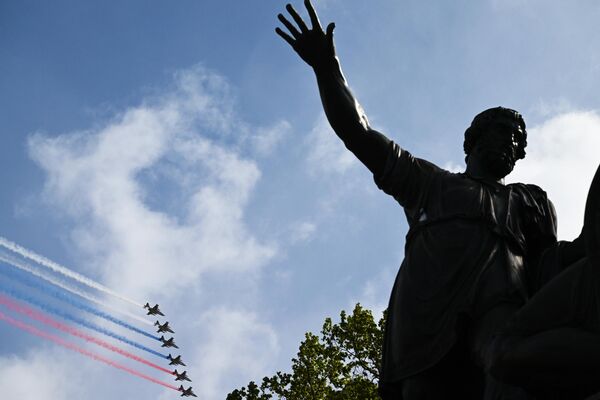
476 249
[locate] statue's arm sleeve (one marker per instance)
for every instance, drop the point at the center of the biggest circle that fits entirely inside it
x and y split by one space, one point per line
396 171
405 177
549 257
543 254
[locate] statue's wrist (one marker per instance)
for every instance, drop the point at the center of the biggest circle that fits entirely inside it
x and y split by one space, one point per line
326 65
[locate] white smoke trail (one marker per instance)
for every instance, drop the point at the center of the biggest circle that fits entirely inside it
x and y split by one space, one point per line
15 248
33 271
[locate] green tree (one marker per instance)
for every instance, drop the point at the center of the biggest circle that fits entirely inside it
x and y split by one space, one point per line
341 364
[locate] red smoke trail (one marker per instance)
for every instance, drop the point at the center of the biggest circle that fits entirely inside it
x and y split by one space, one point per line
78 349
75 332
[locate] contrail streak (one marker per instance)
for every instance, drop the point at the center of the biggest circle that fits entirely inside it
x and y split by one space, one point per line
24 266
17 294
31 313
7 244
71 346
64 296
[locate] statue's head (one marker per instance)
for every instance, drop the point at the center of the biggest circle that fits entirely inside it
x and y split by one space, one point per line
497 138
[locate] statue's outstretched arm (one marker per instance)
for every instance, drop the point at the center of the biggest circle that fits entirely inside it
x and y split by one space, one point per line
346 116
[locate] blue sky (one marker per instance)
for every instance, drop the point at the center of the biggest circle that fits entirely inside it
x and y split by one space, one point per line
177 152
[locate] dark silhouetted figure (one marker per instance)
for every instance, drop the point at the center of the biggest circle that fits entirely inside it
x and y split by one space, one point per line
476 249
552 345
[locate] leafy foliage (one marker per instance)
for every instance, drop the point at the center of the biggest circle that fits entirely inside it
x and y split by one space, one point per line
343 363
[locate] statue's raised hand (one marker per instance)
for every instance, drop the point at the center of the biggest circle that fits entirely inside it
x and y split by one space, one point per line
314 45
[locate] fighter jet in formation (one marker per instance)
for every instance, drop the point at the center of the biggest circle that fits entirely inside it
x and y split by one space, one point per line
171 343
153 310
168 342
164 327
175 360
186 392
181 376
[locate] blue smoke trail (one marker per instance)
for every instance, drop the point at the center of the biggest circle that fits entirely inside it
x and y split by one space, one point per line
65 315
71 299
41 260
62 283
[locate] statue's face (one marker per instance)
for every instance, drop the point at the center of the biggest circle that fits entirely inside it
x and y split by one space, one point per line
497 148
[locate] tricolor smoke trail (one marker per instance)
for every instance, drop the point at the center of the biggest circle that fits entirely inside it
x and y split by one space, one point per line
15 248
71 346
64 296
14 306
65 315
24 266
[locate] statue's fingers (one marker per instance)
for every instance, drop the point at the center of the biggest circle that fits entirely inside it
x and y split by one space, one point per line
297 18
289 25
314 18
329 33
330 29
285 36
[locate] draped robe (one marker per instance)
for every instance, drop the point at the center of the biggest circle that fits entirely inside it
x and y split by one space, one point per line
471 245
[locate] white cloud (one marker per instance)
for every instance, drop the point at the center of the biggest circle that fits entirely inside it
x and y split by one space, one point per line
157 197
238 345
326 152
302 231
453 167
561 158
375 293
42 375
265 140
96 177
547 108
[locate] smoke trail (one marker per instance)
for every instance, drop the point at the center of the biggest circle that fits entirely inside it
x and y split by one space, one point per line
80 350
24 266
7 244
15 293
75 332
59 294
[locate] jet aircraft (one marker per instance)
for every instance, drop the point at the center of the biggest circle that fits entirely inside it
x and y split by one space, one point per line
164 327
186 392
181 376
153 310
168 342
175 360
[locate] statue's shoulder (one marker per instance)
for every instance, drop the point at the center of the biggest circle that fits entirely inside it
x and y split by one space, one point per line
536 201
530 189
538 209
534 197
